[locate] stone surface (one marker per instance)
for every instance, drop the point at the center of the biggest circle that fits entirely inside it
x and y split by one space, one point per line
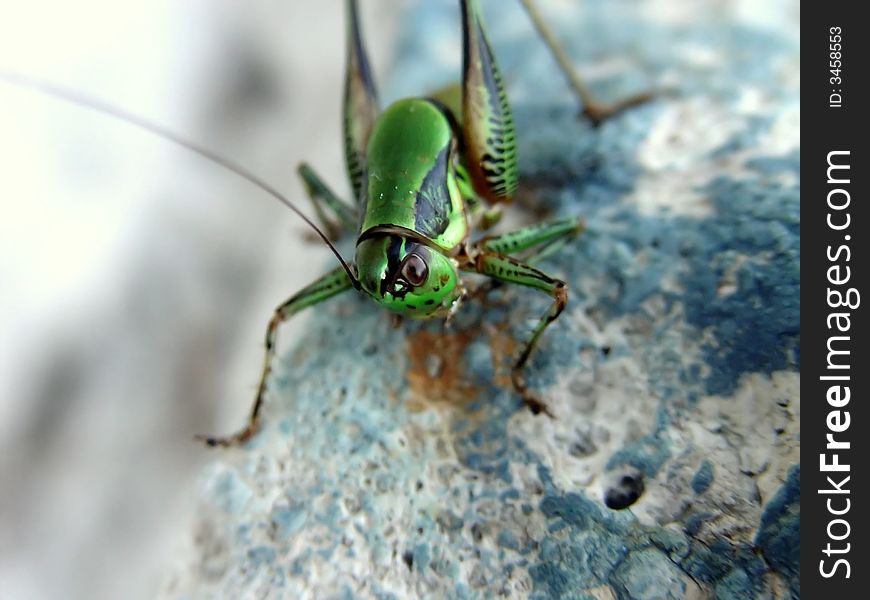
674 371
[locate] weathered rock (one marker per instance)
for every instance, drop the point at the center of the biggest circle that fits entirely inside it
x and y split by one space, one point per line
676 361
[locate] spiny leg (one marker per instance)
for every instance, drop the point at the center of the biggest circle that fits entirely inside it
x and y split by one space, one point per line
360 105
451 97
542 240
321 196
487 122
505 268
543 235
592 108
331 284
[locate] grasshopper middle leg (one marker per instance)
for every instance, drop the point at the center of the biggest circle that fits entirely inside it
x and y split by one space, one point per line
491 257
322 197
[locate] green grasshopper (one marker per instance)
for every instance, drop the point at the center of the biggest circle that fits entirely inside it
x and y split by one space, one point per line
423 172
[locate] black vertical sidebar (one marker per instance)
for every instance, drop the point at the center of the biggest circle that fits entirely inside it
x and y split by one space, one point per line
835 423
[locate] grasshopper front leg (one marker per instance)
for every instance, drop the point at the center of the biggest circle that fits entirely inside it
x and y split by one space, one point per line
490 257
331 284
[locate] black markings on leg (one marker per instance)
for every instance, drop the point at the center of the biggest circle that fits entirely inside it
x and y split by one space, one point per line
510 270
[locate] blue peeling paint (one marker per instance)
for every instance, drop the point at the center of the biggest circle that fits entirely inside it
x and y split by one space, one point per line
757 327
286 520
260 555
574 509
703 477
779 531
774 165
648 575
507 539
696 521
550 579
421 557
230 492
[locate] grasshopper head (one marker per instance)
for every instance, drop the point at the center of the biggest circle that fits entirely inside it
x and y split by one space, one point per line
406 276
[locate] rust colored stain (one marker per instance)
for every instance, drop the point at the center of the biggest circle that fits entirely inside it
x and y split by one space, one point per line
505 350
437 373
437 376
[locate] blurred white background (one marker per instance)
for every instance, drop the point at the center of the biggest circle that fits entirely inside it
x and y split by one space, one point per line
136 279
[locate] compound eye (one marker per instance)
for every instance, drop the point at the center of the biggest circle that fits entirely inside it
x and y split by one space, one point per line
415 270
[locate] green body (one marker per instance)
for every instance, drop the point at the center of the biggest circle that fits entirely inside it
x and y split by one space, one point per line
412 205
422 172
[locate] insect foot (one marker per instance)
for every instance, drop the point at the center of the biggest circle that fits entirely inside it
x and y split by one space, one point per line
535 404
237 439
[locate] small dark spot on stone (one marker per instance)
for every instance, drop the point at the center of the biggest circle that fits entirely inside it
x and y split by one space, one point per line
420 531
605 350
448 521
419 485
370 349
583 446
408 559
477 532
687 248
625 492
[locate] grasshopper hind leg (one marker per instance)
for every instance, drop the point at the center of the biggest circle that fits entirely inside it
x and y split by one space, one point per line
360 107
595 110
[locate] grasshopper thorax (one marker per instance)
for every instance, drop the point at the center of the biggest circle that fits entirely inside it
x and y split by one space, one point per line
407 276
413 211
410 175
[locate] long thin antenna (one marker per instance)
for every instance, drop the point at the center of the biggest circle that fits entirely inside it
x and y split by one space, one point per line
79 99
